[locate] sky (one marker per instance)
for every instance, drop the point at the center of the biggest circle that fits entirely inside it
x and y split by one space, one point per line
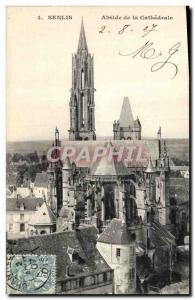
39 56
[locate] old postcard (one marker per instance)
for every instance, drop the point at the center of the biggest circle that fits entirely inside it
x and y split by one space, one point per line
98 166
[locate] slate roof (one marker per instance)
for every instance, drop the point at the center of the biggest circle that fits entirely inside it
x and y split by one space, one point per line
41 180
179 188
126 116
116 233
13 204
83 241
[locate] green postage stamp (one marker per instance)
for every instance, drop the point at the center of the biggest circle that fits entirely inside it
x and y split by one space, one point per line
31 274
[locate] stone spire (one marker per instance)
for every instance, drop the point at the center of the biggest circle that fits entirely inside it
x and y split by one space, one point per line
82 106
126 117
82 45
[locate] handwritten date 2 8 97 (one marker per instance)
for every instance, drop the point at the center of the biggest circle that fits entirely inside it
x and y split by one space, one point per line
149 52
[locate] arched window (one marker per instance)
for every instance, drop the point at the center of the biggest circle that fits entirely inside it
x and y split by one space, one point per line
82 79
82 109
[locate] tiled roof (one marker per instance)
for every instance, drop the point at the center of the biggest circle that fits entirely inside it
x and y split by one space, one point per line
126 117
41 180
116 233
14 204
83 241
179 188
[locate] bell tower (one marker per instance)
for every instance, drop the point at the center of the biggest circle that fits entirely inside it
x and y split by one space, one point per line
82 120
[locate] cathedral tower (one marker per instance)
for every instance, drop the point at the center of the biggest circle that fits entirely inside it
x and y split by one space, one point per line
126 128
82 121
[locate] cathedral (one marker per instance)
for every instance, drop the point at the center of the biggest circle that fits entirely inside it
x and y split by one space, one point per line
106 188
114 213
128 197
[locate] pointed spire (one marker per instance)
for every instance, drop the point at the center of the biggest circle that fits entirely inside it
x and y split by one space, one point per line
82 45
126 117
150 168
67 165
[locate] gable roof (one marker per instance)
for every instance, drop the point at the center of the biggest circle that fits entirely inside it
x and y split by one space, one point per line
83 241
43 216
116 233
31 204
126 116
41 180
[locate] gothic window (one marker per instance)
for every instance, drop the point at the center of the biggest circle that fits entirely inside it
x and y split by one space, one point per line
82 109
82 79
75 100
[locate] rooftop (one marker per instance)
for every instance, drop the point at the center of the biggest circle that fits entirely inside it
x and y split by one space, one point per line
116 233
82 241
14 204
43 216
